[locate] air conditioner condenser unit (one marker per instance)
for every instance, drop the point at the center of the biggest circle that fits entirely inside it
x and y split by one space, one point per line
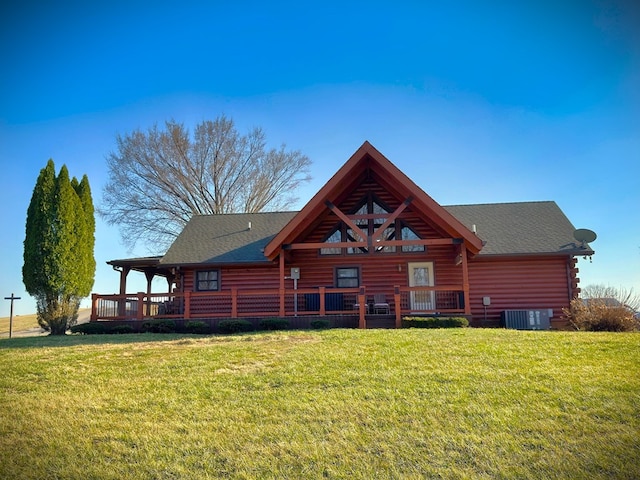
526 319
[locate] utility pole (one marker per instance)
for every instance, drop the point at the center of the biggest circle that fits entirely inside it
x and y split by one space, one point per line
12 298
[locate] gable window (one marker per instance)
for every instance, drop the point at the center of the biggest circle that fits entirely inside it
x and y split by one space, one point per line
352 236
347 277
207 280
408 234
370 215
335 237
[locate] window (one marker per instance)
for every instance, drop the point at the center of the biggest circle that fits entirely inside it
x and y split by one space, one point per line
409 234
370 216
347 277
335 237
207 280
354 237
389 234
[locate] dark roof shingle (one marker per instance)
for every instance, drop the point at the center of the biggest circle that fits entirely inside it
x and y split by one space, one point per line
505 228
226 238
520 228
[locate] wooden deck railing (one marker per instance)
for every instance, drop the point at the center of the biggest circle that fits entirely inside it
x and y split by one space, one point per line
237 303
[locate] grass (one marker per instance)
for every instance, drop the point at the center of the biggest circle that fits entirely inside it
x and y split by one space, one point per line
463 403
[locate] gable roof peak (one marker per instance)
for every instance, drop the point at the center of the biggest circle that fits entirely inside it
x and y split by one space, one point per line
368 158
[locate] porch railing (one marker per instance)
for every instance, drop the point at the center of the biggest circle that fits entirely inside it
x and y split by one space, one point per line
237 303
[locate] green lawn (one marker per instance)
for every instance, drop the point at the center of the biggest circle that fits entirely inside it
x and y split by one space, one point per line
463 403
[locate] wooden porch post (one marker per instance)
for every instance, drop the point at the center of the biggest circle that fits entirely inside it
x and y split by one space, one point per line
362 302
398 305
149 276
170 281
465 279
123 280
281 310
122 303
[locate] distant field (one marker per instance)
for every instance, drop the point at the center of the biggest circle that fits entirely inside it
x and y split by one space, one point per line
372 404
21 323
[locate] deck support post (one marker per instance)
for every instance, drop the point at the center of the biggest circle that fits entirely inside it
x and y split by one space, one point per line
398 305
140 306
323 311
234 302
94 307
187 305
362 303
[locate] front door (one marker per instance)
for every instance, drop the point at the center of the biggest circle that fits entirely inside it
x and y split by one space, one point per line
421 275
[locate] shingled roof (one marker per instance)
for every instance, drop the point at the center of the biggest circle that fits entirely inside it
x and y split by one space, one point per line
524 228
230 238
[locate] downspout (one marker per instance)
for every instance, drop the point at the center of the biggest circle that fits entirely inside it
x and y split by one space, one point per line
465 279
281 310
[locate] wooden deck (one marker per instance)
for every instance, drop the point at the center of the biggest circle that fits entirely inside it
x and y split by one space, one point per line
301 303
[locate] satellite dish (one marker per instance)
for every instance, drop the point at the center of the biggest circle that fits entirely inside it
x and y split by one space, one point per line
584 235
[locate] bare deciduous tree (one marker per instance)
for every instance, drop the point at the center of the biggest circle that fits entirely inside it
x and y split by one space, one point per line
612 296
158 179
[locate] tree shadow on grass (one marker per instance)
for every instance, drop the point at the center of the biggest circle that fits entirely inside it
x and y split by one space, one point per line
74 340
52 341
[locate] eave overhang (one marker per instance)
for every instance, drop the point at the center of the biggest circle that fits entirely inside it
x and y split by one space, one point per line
142 265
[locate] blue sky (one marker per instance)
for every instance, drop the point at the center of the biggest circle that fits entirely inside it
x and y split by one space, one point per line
477 102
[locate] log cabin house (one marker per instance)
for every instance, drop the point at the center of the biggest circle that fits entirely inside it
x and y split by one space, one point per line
368 249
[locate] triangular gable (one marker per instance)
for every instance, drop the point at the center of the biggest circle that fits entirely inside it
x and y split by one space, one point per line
391 178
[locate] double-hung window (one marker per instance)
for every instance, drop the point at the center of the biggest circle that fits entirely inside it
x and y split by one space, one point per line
207 280
347 277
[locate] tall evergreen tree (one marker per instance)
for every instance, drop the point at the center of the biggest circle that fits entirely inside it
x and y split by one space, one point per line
88 243
59 265
39 232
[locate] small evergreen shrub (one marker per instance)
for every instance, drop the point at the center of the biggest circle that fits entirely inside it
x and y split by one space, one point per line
159 326
434 322
274 324
91 328
319 324
196 326
235 326
122 329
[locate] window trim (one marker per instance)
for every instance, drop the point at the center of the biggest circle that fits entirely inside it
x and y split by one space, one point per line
196 280
336 277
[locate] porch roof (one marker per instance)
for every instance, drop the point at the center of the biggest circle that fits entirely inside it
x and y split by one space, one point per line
141 264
